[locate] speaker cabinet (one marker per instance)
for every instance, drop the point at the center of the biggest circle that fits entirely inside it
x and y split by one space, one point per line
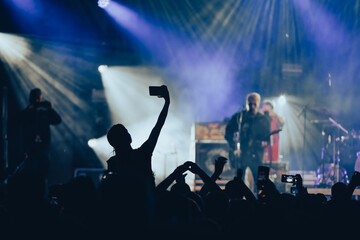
206 154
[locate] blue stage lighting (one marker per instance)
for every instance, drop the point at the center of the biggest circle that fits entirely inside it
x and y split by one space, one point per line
103 3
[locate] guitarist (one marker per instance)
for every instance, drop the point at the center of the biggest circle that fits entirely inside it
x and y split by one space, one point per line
247 134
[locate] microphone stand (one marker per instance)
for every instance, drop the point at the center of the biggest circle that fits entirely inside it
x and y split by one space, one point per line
304 111
239 122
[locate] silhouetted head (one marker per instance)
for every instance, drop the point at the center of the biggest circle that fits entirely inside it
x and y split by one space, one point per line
35 96
338 191
233 190
180 188
118 136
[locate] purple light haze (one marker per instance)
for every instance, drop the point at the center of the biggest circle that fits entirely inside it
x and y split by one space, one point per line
323 27
130 20
28 6
206 77
207 83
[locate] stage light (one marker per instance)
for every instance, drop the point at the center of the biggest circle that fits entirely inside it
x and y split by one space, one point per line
282 100
13 48
103 3
92 143
102 68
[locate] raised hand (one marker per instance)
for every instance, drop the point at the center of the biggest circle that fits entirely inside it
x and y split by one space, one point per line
180 170
193 167
299 181
165 93
219 165
355 179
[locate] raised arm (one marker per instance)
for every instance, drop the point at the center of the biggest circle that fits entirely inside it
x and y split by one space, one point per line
210 184
353 184
176 174
154 135
219 167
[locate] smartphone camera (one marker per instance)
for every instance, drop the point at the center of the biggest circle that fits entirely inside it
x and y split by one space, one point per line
288 178
155 91
263 175
294 190
239 173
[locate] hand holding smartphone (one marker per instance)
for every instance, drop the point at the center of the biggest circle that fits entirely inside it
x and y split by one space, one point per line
239 173
160 91
263 176
155 91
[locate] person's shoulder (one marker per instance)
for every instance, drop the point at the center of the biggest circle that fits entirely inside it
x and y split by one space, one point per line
111 159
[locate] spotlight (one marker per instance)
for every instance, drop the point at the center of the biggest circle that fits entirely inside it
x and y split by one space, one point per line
282 100
92 142
102 68
103 3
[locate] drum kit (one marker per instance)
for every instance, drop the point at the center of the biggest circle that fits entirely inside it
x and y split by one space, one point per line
338 144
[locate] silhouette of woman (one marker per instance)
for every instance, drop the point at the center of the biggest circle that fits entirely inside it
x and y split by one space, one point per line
136 162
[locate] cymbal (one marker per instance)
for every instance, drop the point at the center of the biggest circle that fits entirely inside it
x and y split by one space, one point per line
323 111
321 121
331 122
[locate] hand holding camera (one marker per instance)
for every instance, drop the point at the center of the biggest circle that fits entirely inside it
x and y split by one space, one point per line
194 168
289 178
263 176
160 91
179 171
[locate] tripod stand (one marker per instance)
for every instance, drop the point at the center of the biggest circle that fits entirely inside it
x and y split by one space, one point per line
329 174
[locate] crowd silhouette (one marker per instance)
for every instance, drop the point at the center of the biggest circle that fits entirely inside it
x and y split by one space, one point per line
127 204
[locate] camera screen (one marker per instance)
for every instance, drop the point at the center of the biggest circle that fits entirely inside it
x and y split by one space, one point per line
288 178
263 173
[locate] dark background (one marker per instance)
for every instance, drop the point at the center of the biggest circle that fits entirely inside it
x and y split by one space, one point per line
323 38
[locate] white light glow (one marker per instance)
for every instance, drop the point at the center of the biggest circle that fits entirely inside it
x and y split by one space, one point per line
13 48
127 93
102 68
103 3
92 143
282 100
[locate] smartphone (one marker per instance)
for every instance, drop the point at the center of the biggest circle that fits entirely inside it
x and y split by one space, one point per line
288 178
239 173
263 175
155 90
294 190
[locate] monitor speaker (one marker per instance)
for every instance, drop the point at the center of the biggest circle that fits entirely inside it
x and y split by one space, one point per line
207 153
